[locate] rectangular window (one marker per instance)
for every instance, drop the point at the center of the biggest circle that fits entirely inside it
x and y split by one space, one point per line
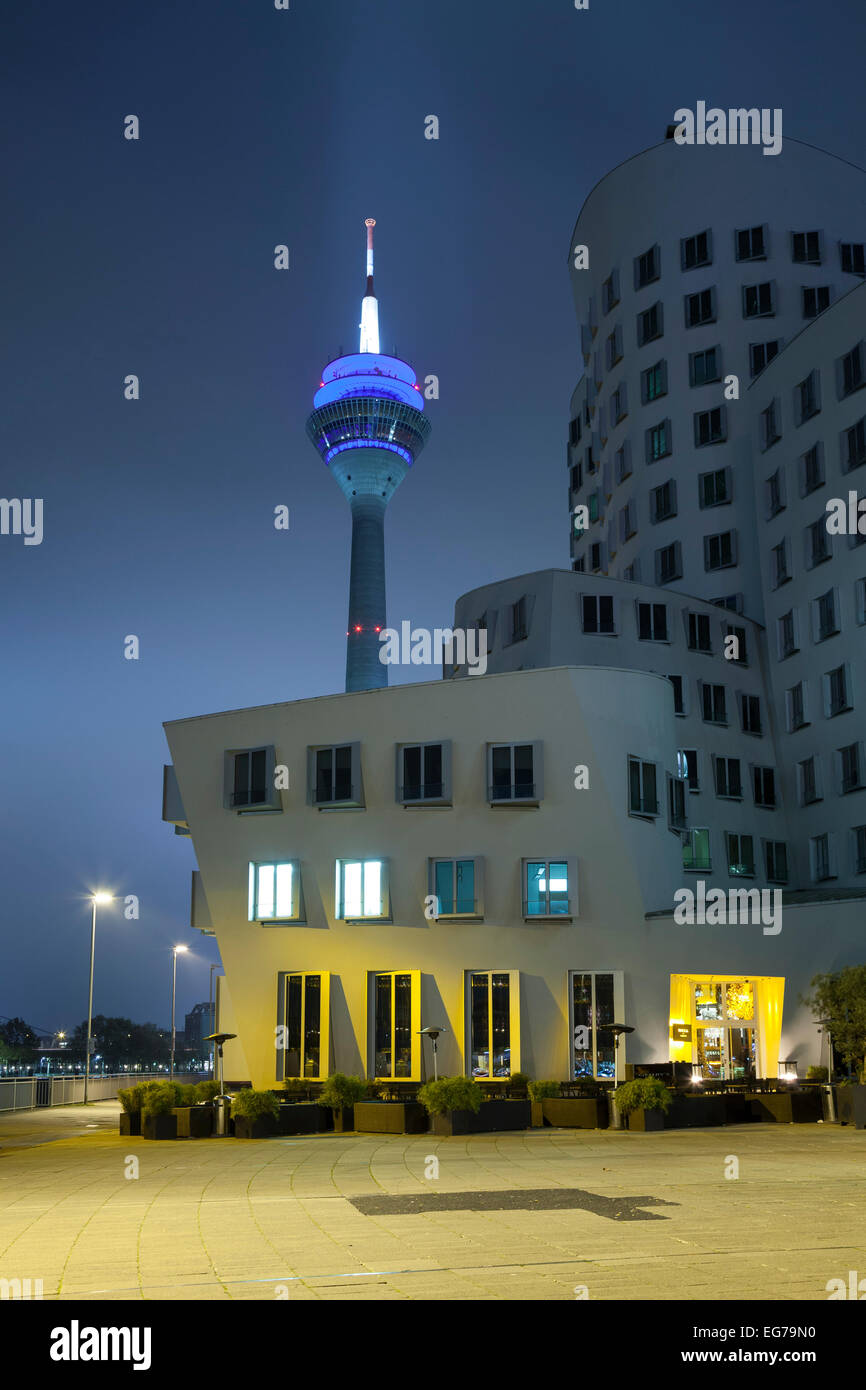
776 858
774 493
593 1010
576 478
860 849
642 792
780 559
658 441
770 430
710 427
741 856
519 629
687 768
713 702
597 613
679 694
852 255
653 382
622 461
760 354
806 399
696 251
854 446
851 371
676 803
595 557
808 776
610 292
836 692
860 595
815 300
274 892
613 348
305 1017
649 324
826 621
705 366
728 780
796 707
627 523
817 543
787 633
758 300
424 773
669 563
646 268
396 1021
750 244
700 308
812 470
652 622
362 889
699 637
663 501
514 772
696 851
457 885
335 775
750 714
821 858
806 248
764 786
493 1033
249 780
720 552
546 884
850 768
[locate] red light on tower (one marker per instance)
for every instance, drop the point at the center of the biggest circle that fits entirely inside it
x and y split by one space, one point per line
358 628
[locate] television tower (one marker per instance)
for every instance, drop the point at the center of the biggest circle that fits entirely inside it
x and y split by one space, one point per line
368 425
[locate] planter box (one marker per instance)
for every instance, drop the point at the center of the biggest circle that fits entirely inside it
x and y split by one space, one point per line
302 1117
344 1119
583 1113
536 1111
159 1126
786 1107
695 1112
851 1105
645 1120
391 1117
262 1127
494 1116
194 1121
130 1123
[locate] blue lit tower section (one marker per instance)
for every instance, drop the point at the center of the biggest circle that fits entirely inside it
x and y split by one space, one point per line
369 427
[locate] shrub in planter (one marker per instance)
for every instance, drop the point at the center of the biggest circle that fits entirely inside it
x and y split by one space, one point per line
816 1073
206 1091
451 1093
130 1100
543 1090
519 1082
157 1106
254 1113
339 1093
646 1099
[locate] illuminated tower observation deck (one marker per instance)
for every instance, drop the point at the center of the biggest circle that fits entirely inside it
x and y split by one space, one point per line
369 427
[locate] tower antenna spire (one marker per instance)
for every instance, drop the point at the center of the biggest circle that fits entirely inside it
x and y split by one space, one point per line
369 304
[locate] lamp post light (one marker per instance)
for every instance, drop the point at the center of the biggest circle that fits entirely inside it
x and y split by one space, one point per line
823 1025
212 1018
174 954
95 898
433 1035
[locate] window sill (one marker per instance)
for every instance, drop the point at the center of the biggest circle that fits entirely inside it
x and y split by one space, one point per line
548 917
434 804
363 921
340 806
279 922
515 803
459 917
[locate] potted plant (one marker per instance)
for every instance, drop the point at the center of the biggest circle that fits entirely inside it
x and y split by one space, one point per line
254 1114
130 1098
298 1113
339 1094
457 1106
518 1083
539 1091
644 1102
158 1120
587 1111
816 1073
194 1114
383 1110
840 998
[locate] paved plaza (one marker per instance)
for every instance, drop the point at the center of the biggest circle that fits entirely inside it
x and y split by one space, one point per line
545 1214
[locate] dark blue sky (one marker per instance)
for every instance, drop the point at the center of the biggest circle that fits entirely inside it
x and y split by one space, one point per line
261 127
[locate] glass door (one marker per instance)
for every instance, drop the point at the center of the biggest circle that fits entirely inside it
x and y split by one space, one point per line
725 1029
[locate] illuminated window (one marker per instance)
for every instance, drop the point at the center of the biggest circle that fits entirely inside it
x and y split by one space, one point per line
396 1022
362 889
593 1007
550 888
494 1023
304 1016
275 892
458 886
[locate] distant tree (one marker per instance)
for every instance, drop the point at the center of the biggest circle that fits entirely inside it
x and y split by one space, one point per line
16 1033
122 1043
840 997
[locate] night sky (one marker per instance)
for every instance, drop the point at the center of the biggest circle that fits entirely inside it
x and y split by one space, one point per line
155 257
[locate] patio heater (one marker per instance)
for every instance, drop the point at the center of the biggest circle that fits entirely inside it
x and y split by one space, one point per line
823 1025
433 1035
617 1029
222 1102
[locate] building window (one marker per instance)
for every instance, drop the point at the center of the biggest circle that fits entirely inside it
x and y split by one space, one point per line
550 888
687 768
764 786
770 430
696 851
275 892
658 441
614 347
860 596
618 404
705 366
713 703
809 787
676 803
852 255
850 768
610 292
575 429
696 250
806 248
396 1022
576 478
249 780
699 638
653 382
646 268
642 793
760 354
679 701
776 860
750 714
669 563
595 557
514 772
815 300
860 849
700 308
741 856
821 859
710 427
750 244
817 543
826 621
335 775
519 629
836 693
787 633
649 324
593 1010
851 373
774 493
758 300
622 461
806 398
795 700
491 1027
597 612
780 560
362 890
652 622
812 470
627 523
424 773
304 1017
728 781
720 552
663 501
854 450
458 887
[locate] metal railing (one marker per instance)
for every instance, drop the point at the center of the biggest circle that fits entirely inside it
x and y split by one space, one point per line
36 1092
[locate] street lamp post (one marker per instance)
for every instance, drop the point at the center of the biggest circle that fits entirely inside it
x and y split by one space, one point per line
95 898
174 952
